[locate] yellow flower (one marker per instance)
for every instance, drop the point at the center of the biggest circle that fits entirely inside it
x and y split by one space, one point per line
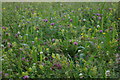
90 29
41 66
57 56
104 33
119 18
98 46
4 8
47 49
53 55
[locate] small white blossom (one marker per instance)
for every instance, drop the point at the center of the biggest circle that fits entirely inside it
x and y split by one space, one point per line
84 19
98 26
80 74
18 32
41 52
107 73
79 50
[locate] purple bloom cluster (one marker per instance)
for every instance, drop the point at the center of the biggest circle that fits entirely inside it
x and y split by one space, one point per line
75 43
26 77
52 24
71 20
45 20
101 30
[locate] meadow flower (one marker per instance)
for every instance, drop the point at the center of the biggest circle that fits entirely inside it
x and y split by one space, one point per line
23 58
98 14
70 20
84 19
41 52
4 27
99 18
98 26
79 50
6 74
80 74
75 43
52 24
26 77
53 40
107 73
101 30
45 20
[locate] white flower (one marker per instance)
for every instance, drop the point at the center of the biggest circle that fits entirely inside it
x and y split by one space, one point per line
79 50
80 74
26 34
98 26
19 26
84 19
41 52
18 32
107 73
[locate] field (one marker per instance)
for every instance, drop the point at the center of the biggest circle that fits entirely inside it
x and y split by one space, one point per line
60 40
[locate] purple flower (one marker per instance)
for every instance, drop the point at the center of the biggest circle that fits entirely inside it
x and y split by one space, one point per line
23 58
26 77
70 20
75 43
101 30
4 27
52 24
6 74
45 20
99 18
98 14
1 72
110 8
53 40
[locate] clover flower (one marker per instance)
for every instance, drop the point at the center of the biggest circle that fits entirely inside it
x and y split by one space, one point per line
71 20
52 24
45 20
75 43
101 30
26 77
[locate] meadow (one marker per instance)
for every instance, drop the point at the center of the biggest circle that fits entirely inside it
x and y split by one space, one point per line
60 40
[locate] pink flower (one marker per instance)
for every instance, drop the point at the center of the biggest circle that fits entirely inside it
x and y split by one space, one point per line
75 43
26 77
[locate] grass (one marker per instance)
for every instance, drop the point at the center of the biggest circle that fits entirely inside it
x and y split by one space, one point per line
55 40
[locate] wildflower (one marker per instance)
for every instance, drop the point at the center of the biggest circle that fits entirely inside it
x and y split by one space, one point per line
57 56
104 33
4 27
80 74
70 20
53 40
6 74
79 50
99 18
107 73
53 55
98 14
26 77
84 19
18 32
101 30
23 58
75 43
52 24
41 52
45 20
98 26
